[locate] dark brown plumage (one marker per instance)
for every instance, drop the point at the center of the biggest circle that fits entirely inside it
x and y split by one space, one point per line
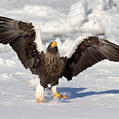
91 51
21 37
50 66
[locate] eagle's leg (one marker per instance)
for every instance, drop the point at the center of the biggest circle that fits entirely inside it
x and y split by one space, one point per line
56 94
39 94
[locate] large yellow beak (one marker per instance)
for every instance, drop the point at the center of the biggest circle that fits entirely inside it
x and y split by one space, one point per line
54 44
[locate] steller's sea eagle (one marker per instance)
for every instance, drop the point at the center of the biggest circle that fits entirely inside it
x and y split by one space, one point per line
25 39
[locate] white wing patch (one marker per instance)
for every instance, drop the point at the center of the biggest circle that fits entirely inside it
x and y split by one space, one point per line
75 45
38 40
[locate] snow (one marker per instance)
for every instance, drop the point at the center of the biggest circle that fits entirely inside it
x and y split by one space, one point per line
94 93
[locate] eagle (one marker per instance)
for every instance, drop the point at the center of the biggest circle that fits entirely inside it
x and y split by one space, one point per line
25 39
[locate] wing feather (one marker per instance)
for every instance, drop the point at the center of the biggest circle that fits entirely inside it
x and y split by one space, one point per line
22 37
89 52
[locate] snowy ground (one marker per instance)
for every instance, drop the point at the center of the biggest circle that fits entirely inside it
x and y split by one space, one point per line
94 94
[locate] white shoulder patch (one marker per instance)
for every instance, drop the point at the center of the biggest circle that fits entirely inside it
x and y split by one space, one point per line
75 45
38 40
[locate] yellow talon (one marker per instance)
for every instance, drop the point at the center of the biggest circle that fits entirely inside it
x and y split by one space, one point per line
57 95
39 100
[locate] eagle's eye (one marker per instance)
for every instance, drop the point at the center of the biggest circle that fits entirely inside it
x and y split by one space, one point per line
54 44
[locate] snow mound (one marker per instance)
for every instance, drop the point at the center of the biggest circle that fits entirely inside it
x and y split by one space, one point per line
87 16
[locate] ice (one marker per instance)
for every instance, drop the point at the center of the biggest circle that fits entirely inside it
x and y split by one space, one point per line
94 93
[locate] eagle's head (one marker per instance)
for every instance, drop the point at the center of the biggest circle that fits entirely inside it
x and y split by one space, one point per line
52 47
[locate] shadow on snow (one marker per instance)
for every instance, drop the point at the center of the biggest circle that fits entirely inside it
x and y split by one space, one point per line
76 92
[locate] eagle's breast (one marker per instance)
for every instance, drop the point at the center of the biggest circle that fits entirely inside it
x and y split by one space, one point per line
51 69
54 65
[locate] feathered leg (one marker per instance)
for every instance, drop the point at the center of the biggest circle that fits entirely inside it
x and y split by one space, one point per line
39 94
56 94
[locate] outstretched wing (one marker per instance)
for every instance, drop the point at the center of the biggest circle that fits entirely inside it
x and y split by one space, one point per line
88 52
23 37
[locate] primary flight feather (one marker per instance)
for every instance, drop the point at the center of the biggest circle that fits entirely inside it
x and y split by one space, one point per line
25 39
